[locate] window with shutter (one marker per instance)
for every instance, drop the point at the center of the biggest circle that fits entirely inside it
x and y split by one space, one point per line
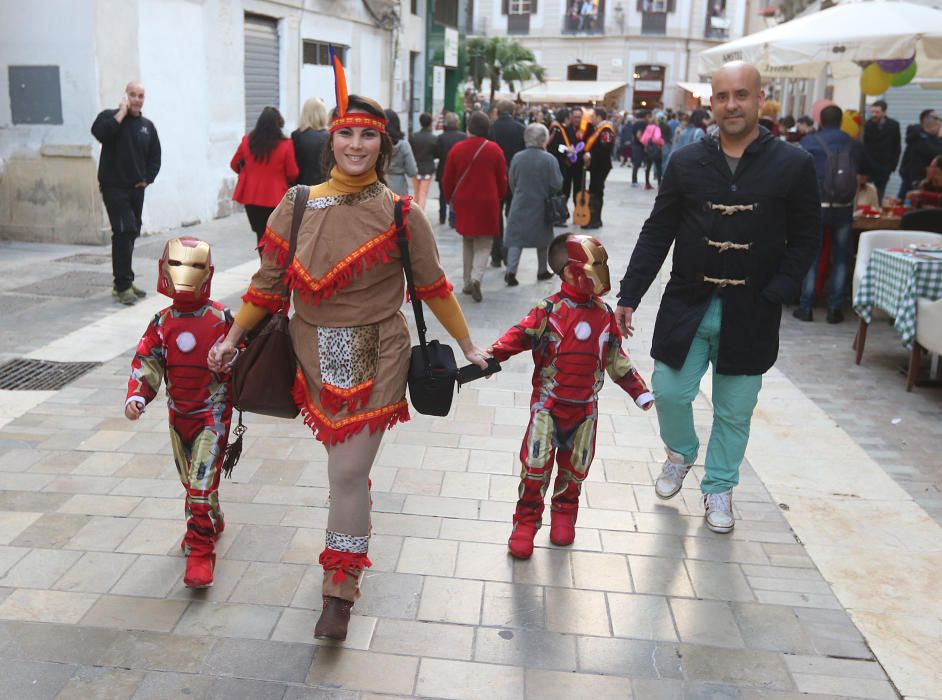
518 16
654 15
717 24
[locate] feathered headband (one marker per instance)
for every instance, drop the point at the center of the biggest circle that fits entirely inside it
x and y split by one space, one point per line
342 119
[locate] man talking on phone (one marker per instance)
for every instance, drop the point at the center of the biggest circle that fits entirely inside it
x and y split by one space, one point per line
130 161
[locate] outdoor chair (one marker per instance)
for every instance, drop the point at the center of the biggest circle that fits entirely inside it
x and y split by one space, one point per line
922 220
869 241
928 336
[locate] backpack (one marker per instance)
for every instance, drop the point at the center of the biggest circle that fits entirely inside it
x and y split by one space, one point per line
652 151
839 184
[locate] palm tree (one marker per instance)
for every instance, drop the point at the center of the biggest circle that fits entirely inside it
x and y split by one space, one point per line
500 58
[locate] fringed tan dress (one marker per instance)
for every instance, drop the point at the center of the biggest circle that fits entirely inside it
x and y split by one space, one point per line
350 336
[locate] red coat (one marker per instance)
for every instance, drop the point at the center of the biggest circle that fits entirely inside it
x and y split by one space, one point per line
264 183
477 201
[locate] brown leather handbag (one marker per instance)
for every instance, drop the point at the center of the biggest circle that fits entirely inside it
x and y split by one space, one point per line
264 373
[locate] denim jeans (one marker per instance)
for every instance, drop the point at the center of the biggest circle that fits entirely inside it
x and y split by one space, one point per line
840 219
734 399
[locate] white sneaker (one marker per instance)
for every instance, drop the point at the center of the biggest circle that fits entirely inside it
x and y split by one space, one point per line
719 511
672 475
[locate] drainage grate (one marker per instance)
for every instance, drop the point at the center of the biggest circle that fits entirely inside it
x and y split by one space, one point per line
41 375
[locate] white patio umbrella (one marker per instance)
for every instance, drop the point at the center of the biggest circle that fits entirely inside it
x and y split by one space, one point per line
843 36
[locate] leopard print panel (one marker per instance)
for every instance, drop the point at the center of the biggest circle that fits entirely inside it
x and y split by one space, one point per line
363 195
348 355
340 542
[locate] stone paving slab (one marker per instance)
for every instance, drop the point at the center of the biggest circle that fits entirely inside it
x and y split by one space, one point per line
647 603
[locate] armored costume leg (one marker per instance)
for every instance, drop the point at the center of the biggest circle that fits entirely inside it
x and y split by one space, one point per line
536 458
575 450
198 451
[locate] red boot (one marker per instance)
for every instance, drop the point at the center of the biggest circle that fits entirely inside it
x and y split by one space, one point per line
199 570
200 548
520 544
562 528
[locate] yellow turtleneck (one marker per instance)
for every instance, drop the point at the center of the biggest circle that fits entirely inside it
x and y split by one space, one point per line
446 310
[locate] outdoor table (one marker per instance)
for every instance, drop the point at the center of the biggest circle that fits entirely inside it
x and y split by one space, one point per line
875 223
894 279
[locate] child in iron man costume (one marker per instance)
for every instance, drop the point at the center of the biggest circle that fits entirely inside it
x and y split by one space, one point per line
574 340
175 347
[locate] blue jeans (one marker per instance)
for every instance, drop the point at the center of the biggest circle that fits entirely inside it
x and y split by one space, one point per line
734 399
840 220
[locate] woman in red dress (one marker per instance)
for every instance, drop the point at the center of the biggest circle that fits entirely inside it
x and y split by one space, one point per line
266 166
474 183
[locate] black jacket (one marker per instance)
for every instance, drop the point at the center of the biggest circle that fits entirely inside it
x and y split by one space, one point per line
921 148
130 151
882 142
507 132
423 148
308 151
443 143
782 228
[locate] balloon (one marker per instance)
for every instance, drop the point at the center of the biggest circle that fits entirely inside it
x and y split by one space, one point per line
873 81
849 124
816 109
904 77
896 65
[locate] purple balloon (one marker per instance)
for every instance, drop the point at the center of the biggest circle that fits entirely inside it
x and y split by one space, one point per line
896 65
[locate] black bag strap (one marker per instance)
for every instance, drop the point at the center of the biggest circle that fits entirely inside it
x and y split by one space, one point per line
301 193
410 282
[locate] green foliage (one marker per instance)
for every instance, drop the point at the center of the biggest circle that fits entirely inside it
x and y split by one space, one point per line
790 9
502 60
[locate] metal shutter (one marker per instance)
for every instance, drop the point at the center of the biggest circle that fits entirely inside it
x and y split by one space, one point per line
261 67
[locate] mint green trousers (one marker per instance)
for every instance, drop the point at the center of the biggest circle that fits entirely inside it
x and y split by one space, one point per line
734 399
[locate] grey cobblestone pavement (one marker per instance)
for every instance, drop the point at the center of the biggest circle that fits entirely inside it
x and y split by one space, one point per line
900 431
647 603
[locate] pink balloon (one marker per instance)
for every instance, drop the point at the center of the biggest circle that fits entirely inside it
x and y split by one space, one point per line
816 109
896 65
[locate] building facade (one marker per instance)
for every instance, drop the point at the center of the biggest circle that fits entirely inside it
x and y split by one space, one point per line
650 45
208 68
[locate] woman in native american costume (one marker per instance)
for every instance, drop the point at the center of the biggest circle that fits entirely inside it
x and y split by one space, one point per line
350 337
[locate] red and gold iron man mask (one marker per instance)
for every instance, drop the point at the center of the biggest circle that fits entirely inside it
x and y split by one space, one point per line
588 264
185 270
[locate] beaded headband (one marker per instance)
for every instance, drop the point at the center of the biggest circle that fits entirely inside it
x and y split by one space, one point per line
361 119
356 119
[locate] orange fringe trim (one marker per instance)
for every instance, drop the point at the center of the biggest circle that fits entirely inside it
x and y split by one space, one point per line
331 432
334 399
440 288
343 563
377 250
272 303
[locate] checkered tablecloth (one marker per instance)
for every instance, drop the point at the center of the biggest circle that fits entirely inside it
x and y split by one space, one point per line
893 281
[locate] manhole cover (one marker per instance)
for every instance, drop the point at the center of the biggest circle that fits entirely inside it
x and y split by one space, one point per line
41 375
85 259
70 284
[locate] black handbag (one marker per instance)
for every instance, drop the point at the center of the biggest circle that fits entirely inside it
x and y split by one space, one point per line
433 372
556 209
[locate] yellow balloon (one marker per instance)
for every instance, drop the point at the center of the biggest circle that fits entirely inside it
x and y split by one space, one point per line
849 125
874 80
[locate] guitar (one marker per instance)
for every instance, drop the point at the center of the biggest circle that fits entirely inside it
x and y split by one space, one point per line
582 213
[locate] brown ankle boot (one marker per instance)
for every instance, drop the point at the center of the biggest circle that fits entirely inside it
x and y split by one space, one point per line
334 619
